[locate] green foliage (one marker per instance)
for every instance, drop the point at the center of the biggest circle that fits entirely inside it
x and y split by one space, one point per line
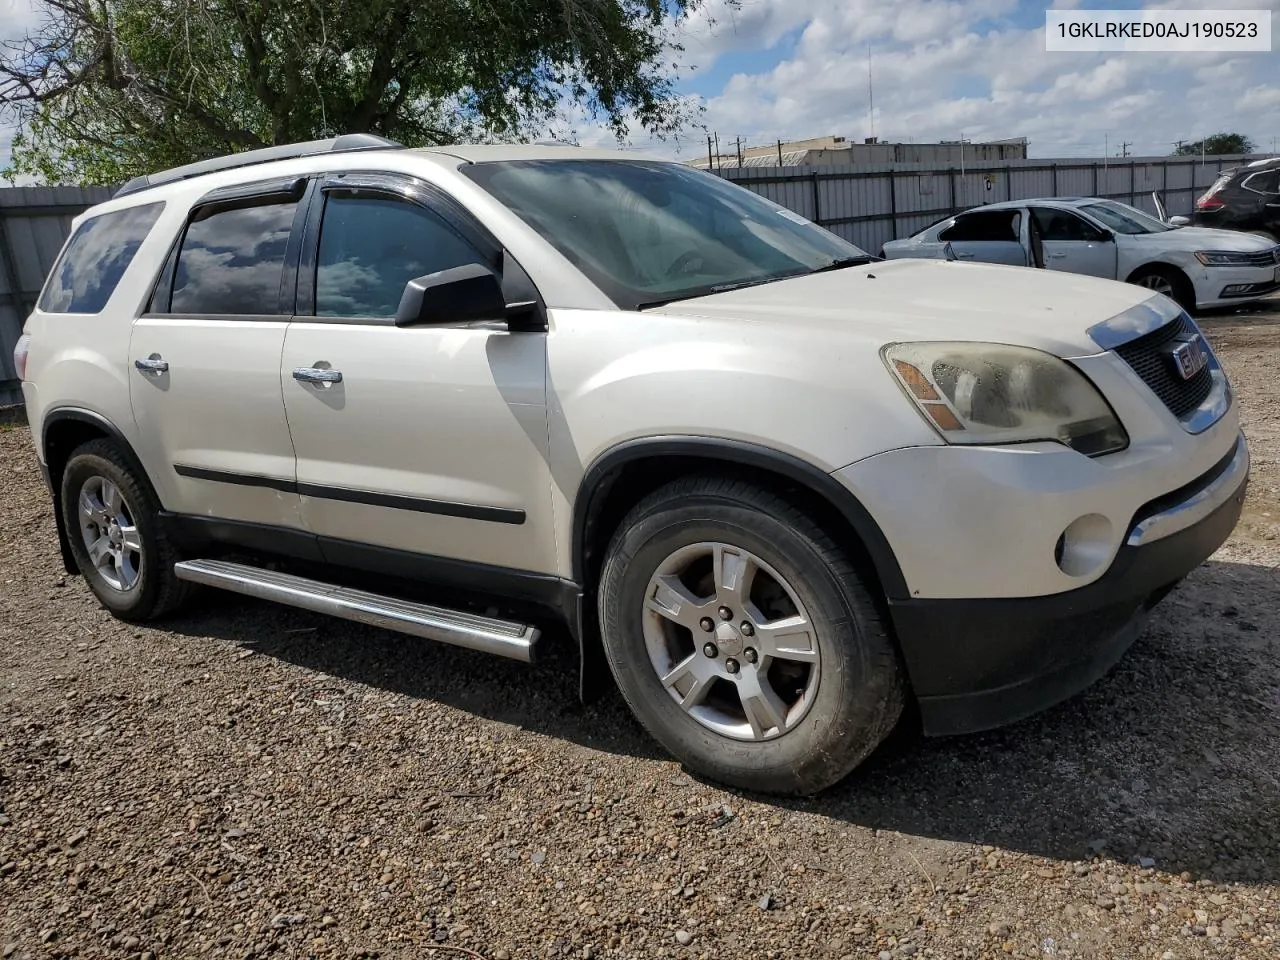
1218 145
107 89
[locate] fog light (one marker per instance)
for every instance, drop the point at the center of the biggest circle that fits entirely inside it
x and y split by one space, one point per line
1233 288
1085 545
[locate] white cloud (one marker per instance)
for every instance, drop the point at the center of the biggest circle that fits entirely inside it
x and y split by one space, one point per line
943 68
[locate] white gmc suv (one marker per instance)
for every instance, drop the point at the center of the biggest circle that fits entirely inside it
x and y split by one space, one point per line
780 491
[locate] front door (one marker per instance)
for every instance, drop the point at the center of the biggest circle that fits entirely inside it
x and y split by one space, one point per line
1073 245
204 362
429 440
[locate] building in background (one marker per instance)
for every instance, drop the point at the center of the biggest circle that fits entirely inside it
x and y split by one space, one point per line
837 151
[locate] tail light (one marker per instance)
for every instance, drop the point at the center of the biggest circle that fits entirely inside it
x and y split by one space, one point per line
20 356
1209 203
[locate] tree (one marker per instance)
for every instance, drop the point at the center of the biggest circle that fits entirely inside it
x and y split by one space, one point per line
1218 145
103 90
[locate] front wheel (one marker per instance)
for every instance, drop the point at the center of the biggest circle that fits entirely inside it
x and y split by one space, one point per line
115 534
744 640
1169 281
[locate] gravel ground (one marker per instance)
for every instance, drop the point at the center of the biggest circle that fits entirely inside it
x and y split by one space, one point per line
255 780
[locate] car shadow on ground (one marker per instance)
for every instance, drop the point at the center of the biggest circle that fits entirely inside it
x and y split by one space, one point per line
1170 756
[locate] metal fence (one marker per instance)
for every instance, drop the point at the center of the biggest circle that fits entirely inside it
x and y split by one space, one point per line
870 204
34 223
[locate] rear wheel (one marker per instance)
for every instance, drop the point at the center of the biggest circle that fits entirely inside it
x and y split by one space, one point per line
115 534
744 639
1173 283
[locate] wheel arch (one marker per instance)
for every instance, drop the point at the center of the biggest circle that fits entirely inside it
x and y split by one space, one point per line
623 475
62 430
1164 266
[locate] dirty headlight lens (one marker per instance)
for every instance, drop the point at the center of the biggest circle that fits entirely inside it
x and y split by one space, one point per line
991 393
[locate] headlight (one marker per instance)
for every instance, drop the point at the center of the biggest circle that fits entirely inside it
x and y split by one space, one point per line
994 393
1223 258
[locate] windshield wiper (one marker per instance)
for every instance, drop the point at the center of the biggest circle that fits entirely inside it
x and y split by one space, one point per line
842 262
716 288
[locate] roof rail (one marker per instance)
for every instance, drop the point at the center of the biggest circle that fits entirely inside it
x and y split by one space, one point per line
289 151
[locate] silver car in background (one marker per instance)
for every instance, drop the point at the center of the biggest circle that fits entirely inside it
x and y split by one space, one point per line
1197 266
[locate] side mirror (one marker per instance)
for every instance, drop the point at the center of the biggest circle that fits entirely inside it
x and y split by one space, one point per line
458 295
1179 221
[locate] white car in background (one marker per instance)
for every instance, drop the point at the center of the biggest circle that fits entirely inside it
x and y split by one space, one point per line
1198 267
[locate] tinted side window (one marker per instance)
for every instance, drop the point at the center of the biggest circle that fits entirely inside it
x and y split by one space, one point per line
95 259
232 261
993 225
1267 182
1063 225
371 247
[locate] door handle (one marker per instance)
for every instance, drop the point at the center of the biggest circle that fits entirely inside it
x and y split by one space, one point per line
316 375
965 256
153 365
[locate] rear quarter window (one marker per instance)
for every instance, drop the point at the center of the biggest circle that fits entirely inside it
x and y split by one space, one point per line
95 258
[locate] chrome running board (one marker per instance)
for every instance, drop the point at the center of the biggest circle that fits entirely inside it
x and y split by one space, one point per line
502 637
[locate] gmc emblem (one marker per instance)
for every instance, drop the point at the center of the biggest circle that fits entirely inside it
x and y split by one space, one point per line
1190 357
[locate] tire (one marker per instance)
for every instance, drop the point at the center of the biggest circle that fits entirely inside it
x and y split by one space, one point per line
846 701
1170 281
133 577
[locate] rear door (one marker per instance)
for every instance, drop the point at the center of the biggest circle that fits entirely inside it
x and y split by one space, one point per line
1073 245
988 236
1266 186
205 358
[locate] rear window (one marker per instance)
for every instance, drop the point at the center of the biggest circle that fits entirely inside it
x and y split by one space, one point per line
985 226
95 259
232 261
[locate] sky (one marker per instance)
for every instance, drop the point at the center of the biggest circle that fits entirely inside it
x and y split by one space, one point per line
765 70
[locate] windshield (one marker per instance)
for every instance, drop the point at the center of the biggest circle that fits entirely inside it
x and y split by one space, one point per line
649 232
1123 218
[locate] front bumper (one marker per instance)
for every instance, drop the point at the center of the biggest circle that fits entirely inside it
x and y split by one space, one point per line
978 664
1221 285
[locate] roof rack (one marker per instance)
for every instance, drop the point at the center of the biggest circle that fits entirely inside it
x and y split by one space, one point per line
343 144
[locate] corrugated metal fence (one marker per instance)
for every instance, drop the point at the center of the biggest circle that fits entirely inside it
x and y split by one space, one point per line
872 203
866 204
34 223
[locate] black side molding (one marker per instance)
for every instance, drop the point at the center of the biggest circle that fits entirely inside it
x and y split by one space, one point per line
743 454
446 508
239 479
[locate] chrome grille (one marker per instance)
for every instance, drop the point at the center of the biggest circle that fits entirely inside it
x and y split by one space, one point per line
1263 258
1151 358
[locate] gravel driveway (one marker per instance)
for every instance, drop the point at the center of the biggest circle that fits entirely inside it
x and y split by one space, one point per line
255 780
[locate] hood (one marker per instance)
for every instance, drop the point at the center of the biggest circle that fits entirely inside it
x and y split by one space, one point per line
1207 238
894 300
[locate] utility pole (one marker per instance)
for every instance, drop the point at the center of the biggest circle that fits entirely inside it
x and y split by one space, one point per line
1177 144
1124 148
739 146
871 100
710 162
719 165
779 153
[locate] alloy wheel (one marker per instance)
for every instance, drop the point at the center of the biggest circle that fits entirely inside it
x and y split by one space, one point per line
731 641
110 534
